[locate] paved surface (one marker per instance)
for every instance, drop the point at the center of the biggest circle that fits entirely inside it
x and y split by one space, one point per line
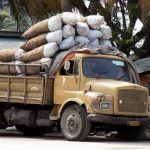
16 141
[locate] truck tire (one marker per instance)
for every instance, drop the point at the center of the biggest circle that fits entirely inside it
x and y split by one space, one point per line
30 131
129 133
74 123
3 123
145 132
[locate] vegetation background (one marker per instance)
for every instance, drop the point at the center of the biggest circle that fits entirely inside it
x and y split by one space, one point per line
120 15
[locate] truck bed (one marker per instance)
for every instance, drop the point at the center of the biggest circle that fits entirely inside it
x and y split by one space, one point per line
26 89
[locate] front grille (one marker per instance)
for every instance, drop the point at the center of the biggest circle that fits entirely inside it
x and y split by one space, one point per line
132 100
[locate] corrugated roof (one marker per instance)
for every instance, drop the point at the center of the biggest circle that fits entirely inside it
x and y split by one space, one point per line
10 34
10 43
10 39
142 65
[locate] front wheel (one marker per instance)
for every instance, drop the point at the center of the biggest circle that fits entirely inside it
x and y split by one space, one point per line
74 123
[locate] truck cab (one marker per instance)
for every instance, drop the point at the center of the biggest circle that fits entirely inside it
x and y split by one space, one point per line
106 88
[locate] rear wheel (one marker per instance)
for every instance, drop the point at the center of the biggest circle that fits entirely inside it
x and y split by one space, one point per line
3 123
74 123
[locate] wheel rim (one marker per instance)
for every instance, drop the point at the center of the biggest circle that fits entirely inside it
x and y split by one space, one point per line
73 124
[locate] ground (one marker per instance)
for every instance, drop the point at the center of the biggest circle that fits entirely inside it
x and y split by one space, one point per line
12 140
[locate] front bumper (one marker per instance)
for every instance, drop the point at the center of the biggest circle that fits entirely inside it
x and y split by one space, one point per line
115 120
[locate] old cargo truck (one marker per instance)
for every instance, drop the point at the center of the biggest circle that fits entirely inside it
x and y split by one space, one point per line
89 93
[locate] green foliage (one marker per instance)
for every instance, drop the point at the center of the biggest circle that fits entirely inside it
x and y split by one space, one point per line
28 12
5 21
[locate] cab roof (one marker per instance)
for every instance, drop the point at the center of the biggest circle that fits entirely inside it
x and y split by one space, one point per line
83 55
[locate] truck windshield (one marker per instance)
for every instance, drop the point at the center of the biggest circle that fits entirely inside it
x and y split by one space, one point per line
94 67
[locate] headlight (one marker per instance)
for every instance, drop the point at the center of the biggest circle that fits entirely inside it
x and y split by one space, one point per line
102 102
105 105
148 107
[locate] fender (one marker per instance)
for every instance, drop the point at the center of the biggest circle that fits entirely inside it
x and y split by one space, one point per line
57 110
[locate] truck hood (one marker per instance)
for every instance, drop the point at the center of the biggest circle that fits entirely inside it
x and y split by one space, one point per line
109 86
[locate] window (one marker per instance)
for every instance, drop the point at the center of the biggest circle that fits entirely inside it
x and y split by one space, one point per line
105 68
73 69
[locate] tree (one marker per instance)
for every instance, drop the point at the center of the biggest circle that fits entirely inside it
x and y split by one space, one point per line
28 12
5 21
145 18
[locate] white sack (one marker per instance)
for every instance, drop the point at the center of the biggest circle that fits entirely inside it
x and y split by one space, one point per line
69 18
68 31
95 43
105 42
46 62
94 34
95 21
55 23
19 53
55 36
18 67
50 49
106 31
67 43
82 28
81 39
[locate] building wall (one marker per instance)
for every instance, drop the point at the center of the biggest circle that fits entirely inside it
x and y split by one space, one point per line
145 80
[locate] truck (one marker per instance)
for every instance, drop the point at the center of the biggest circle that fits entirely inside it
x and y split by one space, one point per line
89 93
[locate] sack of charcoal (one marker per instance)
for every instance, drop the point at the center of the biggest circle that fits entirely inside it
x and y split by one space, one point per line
20 68
52 24
43 39
11 68
39 66
45 51
8 55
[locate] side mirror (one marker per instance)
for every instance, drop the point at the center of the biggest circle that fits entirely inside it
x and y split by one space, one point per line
67 65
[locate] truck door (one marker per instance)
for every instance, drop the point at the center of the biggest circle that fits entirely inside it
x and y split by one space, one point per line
67 81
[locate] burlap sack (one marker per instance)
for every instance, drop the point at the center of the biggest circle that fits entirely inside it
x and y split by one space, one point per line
105 42
69 18
18 54
94 34
106 31
12 69
67 43
34 42
8 55
37 29
95 43
55 23
82 28
95 21
33 70
55 36
46 51
81 19
68 31
81 39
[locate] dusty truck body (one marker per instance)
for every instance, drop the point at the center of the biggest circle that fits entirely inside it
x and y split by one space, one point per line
88 94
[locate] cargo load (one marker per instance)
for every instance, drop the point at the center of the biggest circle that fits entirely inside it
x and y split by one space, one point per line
62 32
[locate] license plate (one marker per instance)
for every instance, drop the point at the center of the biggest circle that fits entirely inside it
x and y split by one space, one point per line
134 123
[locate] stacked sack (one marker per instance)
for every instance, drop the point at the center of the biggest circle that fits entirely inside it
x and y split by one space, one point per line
59 33
11 65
